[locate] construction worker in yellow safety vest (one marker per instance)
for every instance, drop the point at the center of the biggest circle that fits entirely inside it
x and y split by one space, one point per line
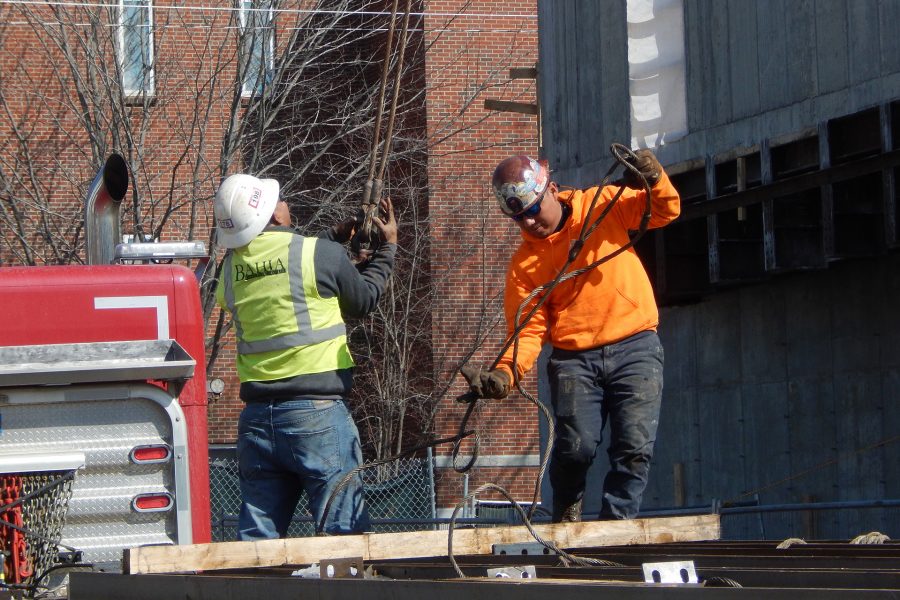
287 295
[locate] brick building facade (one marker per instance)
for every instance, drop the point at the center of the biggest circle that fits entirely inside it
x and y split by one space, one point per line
65 97
472 54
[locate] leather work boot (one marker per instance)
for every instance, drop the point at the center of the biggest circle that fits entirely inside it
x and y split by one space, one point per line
570 513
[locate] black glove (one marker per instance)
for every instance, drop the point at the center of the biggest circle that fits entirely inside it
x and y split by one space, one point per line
344 230
649 167
486 384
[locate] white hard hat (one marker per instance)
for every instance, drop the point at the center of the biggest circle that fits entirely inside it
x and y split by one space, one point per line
243 207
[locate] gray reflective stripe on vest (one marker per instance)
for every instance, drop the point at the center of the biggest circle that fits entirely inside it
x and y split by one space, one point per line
305 334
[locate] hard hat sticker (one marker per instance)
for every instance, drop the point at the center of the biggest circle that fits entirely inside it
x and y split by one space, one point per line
254 198
226 223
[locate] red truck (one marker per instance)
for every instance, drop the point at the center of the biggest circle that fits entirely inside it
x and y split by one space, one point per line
103 398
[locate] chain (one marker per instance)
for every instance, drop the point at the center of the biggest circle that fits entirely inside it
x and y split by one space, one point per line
43 517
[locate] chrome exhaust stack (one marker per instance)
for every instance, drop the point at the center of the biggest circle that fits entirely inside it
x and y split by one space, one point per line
102 224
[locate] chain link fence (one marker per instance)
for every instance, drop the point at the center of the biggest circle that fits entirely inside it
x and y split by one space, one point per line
400 496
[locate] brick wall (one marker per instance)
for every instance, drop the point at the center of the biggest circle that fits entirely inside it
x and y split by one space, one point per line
469 61
470 48
51 149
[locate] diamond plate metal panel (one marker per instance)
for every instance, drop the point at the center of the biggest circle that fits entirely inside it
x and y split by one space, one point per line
100 519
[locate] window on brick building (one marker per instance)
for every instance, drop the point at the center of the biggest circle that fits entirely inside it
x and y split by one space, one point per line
136 46
257 43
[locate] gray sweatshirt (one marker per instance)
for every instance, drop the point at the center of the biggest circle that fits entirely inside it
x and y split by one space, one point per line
357 291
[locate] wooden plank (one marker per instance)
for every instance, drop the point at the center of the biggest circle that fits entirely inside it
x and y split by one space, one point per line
763 340
719 342
860 472
550 90
614 106
588 136
523 73
413 544
677 437
807 305
509 106
570 79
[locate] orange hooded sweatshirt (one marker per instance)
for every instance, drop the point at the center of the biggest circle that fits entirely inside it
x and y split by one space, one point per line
604 305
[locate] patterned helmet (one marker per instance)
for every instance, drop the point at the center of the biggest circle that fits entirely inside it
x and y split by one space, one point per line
518 182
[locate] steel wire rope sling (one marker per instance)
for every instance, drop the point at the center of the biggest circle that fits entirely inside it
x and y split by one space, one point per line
366 232
366 235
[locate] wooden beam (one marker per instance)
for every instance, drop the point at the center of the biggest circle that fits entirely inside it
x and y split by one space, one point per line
414 544
523 73
507 106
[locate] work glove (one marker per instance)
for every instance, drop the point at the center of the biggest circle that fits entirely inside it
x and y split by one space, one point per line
486 383
344 230
645 162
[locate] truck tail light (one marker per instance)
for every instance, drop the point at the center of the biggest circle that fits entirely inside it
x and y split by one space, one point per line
150 454
153 502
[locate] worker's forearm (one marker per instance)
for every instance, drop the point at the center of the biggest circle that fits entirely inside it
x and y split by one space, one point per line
360 291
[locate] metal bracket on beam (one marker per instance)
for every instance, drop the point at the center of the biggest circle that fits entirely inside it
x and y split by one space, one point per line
531 548
670 572
341 568
524 572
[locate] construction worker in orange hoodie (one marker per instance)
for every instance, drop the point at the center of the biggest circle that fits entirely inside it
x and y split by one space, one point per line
607 361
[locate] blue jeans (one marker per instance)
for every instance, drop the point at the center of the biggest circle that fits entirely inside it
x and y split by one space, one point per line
291 446
621 383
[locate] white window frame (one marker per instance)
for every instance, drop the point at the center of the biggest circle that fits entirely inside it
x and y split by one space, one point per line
263 44
145 82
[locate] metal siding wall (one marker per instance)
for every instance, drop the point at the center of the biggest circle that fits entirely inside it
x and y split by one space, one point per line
795 386
753 70
772 52
584 85
744 57
780 389
889 16
864 32
832 45
800 49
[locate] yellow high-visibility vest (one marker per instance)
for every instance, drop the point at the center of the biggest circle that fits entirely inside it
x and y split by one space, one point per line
284 327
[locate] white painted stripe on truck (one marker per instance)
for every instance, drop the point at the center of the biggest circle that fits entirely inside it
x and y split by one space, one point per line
160 303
